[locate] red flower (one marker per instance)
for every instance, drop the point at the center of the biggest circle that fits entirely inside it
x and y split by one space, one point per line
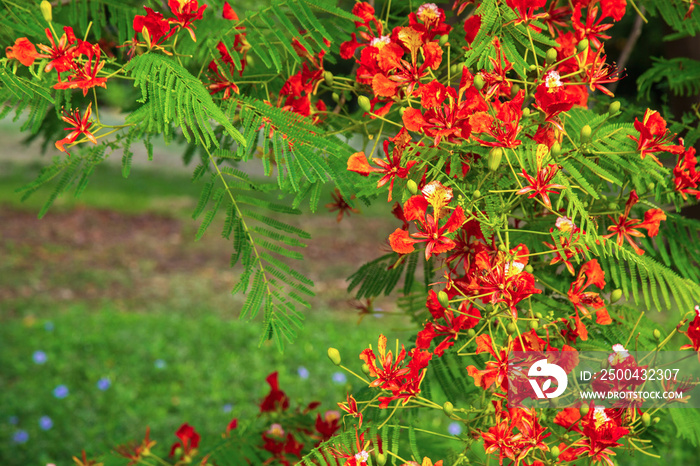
369 28
80 126
85 76
693 333
496 371
350 407
506 126
598 72
471 28
583 301
157 28
276 399
327 425
566 245
229 13
686 174
189 441
540 185
553 97
432 21
133 451
391 168
653 136
593 29
429 230
625 227
61 53
358 457
341 205
464 319
186 12
525 9
23 51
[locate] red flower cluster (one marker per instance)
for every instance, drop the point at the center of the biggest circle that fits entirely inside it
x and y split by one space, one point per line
187 446
156 29
23 51
654 137
502 437
401 378
686 174
624 227
223 80
587 302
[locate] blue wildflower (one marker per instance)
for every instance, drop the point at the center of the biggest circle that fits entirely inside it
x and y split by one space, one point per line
104 383
339 377
60 391
45 423
39 357
48 326
21 436
160 364
303 372
13 420
228 407
455 428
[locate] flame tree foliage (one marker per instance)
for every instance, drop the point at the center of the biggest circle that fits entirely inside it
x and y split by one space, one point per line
528 203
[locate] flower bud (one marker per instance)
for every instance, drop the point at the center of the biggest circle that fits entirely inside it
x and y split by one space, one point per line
45 8
616 295
581 46
556 149
448 408
336 97
538 315
364 103
614 107
471 332
402 110
656 420
328 78
502 247
584 409
511 328
551 56
334 356
365 368
494 158
443 299
453 69
249 59
646 419
479 82
476 194
381 459
526 112
586 133
657 334
514 90
604 364
555 452
651 186
443 39
534 325
613 206
529 268
412 187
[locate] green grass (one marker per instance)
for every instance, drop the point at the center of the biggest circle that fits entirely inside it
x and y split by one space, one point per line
209 363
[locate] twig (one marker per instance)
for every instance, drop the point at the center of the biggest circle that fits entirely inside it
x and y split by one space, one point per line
629 46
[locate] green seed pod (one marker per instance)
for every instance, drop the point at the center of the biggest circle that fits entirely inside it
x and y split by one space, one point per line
534 325
334 356
529 268
448 408
581 46
646 419
412 187
328 78
336 97
453 69
248 59
657 334
443 299
364 103
476 194
586 133
614 107
538 315
471 332
514 90
556 149
551 56
479 82
443 39
365 369
555 452
511 328
494 158
45 8
584 409
616 295
381 459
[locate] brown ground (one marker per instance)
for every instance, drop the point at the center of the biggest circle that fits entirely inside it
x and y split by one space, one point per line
136 261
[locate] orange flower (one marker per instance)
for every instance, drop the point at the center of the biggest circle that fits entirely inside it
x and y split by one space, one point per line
23 51
80 126
625 227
